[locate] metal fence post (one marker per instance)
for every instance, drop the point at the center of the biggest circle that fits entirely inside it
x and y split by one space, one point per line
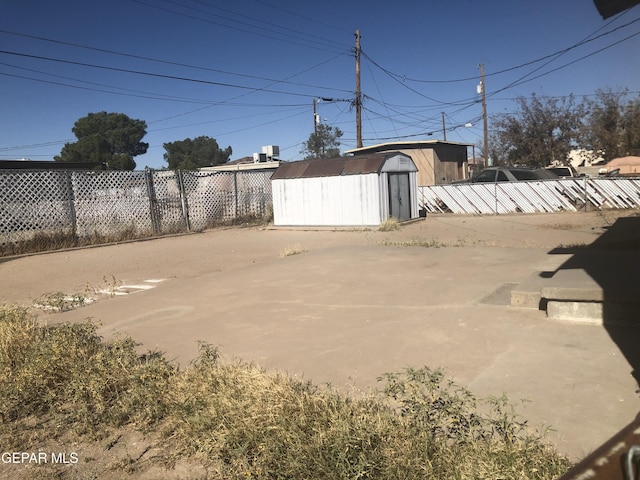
586 194
183 200
235 191
153 202
71 203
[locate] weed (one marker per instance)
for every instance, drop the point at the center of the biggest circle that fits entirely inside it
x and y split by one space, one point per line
558 226
295 249
56 240
240 421
109 287
267 218
60 302
67 372
247 220
421 242
449 411
389 225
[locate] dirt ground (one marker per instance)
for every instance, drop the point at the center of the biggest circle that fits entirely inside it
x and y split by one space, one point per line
344 306
22 279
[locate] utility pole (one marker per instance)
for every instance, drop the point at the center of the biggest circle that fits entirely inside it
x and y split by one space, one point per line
444 128
315 116
484 116
358 100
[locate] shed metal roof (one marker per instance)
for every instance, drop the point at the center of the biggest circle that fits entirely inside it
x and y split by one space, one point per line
332 167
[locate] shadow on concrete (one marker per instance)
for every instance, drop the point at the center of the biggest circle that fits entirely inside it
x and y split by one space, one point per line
612 283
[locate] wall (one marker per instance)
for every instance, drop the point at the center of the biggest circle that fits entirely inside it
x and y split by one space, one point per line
440 164
424 161
349 200
450 163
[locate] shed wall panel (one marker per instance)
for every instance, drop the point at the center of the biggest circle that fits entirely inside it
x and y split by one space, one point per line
351 200
424 161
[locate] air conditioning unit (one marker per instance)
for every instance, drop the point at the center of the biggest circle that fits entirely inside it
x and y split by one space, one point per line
259 157
271 151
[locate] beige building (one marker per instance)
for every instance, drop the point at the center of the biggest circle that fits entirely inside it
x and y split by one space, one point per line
438 162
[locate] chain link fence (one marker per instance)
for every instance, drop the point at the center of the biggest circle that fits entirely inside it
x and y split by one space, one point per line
110 205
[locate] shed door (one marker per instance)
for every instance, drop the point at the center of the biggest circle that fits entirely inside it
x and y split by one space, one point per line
399 196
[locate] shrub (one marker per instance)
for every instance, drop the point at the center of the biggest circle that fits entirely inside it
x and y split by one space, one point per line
241 421
67 371
389 225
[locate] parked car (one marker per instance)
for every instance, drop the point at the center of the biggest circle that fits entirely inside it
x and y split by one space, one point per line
510 174
563 171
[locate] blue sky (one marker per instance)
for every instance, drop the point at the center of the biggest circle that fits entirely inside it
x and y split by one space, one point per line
246 72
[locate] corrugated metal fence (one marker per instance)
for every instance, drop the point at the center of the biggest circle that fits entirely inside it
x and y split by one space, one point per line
111 203
536 196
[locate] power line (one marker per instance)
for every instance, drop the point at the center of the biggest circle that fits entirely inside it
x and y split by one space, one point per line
519 82
164 76
36 145
466 103
136 93
167 62
396 79
60 142
506 70
255 32
380 93
261 22
248 93
303 17
300 109
398 112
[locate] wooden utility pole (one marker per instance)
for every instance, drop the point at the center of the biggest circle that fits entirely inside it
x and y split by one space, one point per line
484 116
315 116
358 100
444 128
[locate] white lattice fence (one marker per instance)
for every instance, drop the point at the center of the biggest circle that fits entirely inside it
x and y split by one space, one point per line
210 197
34 202
117 203
214 197
109 203
254 193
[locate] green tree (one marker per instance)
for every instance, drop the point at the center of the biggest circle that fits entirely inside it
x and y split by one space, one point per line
191 154
542 131
109 138
323 143
631 124
611 126
603 125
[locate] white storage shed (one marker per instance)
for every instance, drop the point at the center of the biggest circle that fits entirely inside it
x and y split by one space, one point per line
364 190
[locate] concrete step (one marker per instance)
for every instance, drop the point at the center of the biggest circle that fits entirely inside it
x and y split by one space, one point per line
591 287
528 293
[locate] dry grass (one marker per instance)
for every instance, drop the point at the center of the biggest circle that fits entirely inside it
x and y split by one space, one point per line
235 420
63 302
422 242
44 241
389 225
294 249
559 226
48 241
